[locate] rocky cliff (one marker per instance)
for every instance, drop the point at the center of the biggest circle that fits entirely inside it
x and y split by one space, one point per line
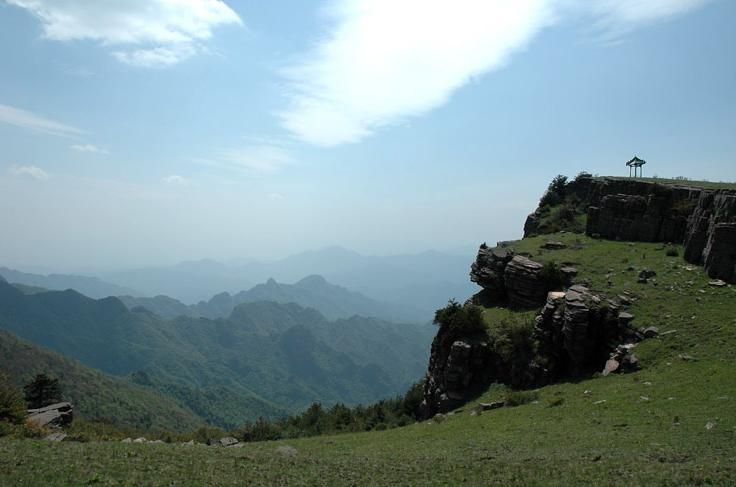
576 331
703 220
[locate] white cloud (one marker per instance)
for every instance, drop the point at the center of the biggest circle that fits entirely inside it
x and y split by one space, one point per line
175 180
29 171
27 120
275 196
88 148
386 60
156 33
259 159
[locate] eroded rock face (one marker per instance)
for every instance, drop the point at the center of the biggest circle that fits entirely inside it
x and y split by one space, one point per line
488 272
508 279
577 331
459 367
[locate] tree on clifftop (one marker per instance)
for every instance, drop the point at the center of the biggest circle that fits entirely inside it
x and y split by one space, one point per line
42 391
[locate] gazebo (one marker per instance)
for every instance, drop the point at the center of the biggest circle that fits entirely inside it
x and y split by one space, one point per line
636 163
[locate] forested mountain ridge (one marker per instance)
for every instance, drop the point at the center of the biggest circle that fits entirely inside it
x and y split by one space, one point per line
263 360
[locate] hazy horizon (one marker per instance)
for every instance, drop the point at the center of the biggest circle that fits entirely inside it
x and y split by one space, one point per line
148 133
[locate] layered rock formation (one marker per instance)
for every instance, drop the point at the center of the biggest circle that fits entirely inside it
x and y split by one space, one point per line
508 279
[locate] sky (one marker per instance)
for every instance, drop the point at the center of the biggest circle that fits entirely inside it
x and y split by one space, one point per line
147 132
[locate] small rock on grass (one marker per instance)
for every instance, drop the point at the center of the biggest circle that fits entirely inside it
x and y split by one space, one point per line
710 425
286 450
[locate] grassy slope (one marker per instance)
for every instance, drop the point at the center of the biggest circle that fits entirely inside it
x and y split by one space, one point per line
651 429
95 395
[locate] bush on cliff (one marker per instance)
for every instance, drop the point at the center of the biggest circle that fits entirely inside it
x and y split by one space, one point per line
460 318
555 193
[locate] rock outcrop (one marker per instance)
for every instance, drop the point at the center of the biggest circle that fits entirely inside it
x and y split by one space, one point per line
55 415
508 279
577 333
460 366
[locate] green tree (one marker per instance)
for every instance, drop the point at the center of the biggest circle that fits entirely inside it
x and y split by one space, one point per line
12 406
42 391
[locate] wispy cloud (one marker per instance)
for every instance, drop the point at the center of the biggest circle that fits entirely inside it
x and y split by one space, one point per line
157 33
383 61
32 172
259 159
175 180
31 121
88 148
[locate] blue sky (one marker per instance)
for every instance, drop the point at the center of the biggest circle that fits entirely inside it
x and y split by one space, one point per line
144 132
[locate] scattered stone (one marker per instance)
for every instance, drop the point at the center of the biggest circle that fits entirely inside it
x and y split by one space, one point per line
624 300
189 443
286 450
554 245
228 441
647 383
587 392
650 332
139 440
58 436
710 425
487 406
687 358
668 332
600 402
625 318
717 283
155 442
643 398
612 365
474 413
127 440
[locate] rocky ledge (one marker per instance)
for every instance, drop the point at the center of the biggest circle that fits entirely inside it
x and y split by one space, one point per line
703 220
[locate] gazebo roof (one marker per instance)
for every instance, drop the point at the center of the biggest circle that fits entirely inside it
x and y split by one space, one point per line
636 162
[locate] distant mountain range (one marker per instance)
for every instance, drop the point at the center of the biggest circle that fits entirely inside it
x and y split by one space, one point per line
93 287
407 287
418 283
265 359
315 292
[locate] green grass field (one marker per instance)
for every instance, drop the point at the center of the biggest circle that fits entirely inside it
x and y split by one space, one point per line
672 423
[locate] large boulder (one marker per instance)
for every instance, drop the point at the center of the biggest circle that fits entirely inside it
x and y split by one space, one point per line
488 272
525 286
54 415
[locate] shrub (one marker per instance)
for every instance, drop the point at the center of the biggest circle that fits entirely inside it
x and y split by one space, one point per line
518 398
12 406
457 317
552 276
582 175
513 341
555 193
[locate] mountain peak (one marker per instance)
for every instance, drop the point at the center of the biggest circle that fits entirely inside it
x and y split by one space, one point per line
313 281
